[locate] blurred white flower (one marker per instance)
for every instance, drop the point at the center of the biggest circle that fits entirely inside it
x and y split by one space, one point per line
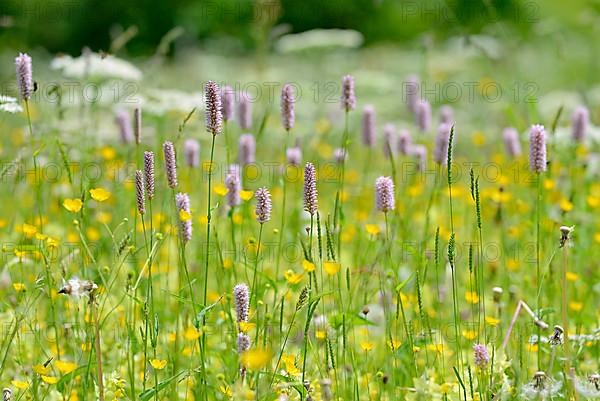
78 288
161 101
9 104
588 387
96 66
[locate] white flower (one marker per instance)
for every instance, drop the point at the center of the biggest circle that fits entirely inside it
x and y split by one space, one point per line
96 66
78 288
9 104
161 101
588 388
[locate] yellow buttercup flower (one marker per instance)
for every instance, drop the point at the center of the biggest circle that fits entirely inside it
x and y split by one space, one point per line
256 359
331 268
19 287
367 346
28 230
471 297
158 364
246 327
73 205
50 379
566 205
308 266
108 153
21 385
469 334
41 369
575 306
572 276
220 189
372 229
99 194
184 216
191 333
65 367
292 277
246 195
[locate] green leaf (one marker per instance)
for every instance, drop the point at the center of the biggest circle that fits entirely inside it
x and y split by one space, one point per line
61 385
402 284
204 311
149 393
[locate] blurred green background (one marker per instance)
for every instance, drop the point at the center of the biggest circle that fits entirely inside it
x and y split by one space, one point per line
246 25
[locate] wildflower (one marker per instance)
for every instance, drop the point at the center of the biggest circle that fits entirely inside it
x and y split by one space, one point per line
243 343
497 294
565 234
170 163
348 99
481 356
245 112
227 99
263 205
423 115
50 379
191 151
442 142
9 105
158 364
99 194
287 107
541 387
308 266
557 337
310 189
367 346
124 123
65 367
232 183
368 126
73 205
78 288
256 359
590 387
339 155
21 385
331 267
137 125
537 149
384 194
511 142
241 299
214 117
247 149
412 92
579 123
471 297
389 146
293 156
292 278
149 173
404 142
140 192
446 115
182 202
24 75
420 153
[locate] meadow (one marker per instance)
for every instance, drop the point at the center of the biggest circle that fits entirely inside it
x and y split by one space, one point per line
346 225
